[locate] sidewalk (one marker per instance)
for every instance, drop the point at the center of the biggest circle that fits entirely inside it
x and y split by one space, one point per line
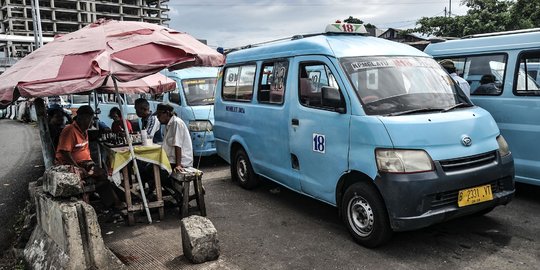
159 245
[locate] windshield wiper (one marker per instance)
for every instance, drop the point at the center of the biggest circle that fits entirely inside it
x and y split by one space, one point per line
459 105
416 111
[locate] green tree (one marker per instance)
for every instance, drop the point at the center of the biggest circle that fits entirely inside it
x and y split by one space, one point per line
483 16
351 19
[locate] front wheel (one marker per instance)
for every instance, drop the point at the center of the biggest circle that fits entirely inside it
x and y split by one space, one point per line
242 172
364 213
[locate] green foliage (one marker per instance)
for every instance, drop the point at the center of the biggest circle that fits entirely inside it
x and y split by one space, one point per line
351 19
483 16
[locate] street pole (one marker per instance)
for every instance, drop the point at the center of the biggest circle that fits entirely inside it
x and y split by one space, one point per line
449 9
41 109
38 22
36 40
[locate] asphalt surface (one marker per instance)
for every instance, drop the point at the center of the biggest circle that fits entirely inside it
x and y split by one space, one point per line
272 227
21 162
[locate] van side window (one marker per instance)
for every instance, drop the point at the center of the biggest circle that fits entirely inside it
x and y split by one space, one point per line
484 73
314 76
528 77
272 83
238 83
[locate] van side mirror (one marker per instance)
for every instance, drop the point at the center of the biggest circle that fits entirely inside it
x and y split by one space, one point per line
174 98
332 98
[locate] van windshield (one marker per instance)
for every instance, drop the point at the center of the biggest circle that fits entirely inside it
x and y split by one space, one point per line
400 85
199 91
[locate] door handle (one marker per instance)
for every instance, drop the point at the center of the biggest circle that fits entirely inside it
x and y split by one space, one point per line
295 122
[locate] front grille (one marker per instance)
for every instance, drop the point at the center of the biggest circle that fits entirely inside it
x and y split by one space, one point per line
450 198
468 162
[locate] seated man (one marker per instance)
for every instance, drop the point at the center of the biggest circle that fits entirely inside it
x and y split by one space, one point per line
176 138
73 150
176 142
487 86
56 122
149 122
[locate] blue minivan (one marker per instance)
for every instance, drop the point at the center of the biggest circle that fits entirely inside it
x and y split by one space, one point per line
512 61
376 128
193 102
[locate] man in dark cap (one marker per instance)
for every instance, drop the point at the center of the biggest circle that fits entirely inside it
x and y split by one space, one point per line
451 69
176 138
73 150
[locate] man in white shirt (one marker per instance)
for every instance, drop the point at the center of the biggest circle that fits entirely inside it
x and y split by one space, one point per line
451 69
176 138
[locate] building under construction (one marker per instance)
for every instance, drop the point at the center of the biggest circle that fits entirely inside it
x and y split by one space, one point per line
64 16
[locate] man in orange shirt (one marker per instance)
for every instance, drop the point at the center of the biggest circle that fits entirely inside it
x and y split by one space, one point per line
73 150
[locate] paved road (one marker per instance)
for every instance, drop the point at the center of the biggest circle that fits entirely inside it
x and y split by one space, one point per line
274 228
265 229
20 163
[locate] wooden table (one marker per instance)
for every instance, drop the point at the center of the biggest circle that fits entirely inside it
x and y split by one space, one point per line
119 158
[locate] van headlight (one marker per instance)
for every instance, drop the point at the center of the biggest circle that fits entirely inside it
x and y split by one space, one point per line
200 125
403 161
503 146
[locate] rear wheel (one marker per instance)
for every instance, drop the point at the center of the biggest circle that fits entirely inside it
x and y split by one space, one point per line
364 213
242 172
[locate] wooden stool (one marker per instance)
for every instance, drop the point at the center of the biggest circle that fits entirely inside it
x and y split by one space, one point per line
183 180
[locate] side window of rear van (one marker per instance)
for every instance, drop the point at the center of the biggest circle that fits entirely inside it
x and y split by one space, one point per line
528 79
238 83
272 82
313 77
484 73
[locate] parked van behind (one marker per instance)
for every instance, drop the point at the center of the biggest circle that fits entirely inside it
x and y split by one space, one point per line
105 103
511 60
374 127
193 101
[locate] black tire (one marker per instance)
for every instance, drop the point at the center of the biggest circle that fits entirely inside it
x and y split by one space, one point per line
242 172
364 213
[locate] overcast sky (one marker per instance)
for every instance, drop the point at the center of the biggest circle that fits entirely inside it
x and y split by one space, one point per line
231 23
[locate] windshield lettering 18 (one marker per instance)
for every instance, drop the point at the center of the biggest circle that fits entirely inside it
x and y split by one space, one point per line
401 85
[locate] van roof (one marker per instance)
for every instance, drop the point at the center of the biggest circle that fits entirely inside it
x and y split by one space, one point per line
193 72
485 44
336 45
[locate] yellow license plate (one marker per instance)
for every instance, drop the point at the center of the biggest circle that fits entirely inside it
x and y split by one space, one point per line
475 195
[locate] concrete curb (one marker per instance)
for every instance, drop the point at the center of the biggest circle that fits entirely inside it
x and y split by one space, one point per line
67 236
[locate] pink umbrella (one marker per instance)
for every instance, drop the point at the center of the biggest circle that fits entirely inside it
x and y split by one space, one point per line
154 84
82 60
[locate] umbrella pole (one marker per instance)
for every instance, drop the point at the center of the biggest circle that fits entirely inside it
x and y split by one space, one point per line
135 166
97 126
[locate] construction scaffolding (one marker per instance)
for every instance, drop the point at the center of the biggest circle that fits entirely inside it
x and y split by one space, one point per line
64 16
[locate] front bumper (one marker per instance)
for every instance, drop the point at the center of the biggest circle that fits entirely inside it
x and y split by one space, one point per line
203 143
419 200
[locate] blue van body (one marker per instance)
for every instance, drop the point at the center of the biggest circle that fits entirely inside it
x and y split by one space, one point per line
193 101
513 59
296 113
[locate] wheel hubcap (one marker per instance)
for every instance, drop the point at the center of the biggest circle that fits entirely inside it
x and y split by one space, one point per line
360 216
241 169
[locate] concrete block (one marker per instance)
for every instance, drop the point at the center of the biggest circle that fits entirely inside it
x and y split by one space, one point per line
199 239
62 181
67 236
